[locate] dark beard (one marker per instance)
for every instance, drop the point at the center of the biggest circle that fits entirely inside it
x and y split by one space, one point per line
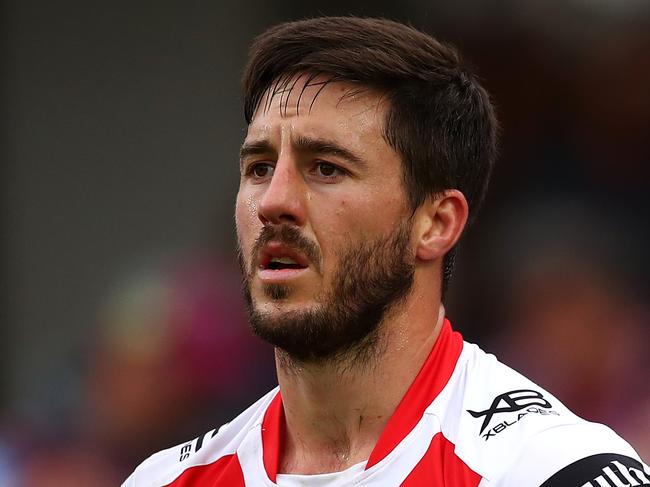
371 279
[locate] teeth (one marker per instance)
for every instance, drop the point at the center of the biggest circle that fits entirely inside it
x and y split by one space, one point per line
283 260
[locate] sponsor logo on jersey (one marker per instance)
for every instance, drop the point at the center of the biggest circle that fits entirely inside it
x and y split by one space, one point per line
521 401
604 470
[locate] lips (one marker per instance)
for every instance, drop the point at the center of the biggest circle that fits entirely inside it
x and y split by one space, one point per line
276 256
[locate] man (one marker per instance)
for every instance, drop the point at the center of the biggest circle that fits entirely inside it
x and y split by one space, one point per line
369 148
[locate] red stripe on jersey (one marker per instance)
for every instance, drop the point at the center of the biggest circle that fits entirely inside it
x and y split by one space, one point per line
441 466
271 431
225 471
431 379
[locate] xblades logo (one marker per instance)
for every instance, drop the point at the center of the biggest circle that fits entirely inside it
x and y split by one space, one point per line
510 402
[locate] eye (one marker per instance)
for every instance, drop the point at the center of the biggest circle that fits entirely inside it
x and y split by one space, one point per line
260 170
327 170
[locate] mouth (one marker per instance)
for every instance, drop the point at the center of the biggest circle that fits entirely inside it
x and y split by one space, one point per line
277 261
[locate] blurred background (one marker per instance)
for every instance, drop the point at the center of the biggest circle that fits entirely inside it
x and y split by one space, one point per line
122 326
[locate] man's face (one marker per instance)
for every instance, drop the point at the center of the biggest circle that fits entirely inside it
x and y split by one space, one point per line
322 218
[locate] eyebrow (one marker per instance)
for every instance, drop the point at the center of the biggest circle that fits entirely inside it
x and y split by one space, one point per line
327 147
255 147
303 144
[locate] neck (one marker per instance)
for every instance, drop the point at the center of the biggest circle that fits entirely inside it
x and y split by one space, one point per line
335 411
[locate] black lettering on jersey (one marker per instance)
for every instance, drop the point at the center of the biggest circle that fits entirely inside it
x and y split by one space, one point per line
510 402
199 442
495 430
185 451
604 470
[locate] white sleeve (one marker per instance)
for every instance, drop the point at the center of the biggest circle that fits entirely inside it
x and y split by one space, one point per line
576 455
130 482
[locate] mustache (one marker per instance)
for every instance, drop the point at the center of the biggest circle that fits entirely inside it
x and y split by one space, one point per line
291 237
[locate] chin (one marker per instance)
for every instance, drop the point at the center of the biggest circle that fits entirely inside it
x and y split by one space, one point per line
276 308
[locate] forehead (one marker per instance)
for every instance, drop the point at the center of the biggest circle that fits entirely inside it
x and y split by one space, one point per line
319 100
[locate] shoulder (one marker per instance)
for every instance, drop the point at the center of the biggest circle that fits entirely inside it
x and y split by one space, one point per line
164 467
582 455
512 432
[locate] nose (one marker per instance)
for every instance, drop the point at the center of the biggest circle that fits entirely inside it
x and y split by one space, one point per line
283 198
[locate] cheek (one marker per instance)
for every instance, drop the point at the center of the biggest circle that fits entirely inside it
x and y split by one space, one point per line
341 209
246 219
340 229
246 206
369 214
249 206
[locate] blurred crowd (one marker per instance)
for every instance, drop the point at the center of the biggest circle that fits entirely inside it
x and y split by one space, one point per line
172 358
564 301
554 279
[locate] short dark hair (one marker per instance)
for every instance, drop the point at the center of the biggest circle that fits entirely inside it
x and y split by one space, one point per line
440 119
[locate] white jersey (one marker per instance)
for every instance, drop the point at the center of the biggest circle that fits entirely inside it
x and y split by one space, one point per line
466 421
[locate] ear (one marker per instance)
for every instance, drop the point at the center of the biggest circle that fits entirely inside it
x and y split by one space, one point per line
440 222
